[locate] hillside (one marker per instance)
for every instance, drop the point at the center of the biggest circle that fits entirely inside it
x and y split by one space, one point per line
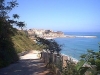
17 43
23 43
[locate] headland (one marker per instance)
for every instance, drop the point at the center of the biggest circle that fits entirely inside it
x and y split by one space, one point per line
50 34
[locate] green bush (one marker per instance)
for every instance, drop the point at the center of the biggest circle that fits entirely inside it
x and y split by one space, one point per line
97 62
92 61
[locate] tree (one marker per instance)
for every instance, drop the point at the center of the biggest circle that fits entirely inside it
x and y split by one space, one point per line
51 46
6 8
21 25
8 54
15 16
89 63
93 61
5 23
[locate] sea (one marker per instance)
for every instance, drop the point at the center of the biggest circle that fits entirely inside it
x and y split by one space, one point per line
75 47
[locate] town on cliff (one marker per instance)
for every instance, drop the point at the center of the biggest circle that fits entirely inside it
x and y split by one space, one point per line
46 34
50 34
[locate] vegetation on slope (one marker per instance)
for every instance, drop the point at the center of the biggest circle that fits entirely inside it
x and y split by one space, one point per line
12 41
8 54
23 43
18 43
88 65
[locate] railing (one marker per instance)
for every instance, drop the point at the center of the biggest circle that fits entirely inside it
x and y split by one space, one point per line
58 61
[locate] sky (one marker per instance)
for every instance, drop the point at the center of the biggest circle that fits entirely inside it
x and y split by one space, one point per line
60 15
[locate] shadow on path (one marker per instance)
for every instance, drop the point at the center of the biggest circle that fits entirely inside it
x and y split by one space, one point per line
26 67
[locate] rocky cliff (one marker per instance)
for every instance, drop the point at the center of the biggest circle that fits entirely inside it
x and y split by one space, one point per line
48 34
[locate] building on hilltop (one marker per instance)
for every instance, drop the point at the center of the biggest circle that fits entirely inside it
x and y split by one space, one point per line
45 33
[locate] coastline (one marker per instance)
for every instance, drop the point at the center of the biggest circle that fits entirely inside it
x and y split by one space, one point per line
50 34
70 36
67 57
64 57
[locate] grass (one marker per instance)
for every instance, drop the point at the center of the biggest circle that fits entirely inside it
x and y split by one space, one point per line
20 42
23 43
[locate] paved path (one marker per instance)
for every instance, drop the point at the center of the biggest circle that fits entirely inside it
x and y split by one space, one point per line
29 64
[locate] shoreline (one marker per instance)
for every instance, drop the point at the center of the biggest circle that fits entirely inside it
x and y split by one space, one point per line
70 58
70 36
66 57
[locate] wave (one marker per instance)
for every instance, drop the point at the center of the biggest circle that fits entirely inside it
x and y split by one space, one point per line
75 36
